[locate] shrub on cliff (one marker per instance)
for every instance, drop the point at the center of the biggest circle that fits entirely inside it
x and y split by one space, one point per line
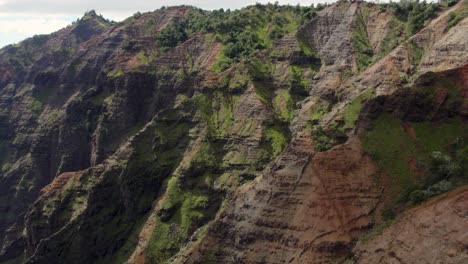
242 32
441 187
441 167
172 36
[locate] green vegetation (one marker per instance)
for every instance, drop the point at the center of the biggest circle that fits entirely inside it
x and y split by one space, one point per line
238 80
321 108
277 137
325 139
282 102
191 198
352 111
413 13
443 171
454 17
449 3
172 35
284 105
409 17
377 230
416 53
265 92
190 202
115 73
394 149
193 209
144 59
441 187
420 13
305 46
159 149
217 110
222 63
394 37
242 32
360 39
274 139
123 254
94 16
300 86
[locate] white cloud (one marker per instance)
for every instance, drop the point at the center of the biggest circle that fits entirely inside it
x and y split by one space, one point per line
32 24
16 27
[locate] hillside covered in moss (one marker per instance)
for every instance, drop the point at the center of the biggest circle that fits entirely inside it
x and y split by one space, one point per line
332 133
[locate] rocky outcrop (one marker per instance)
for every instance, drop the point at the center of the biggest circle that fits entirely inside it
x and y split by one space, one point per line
415 55
115 149
54 116
301 211
430 233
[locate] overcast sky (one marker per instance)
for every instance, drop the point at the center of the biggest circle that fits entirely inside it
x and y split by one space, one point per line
20 19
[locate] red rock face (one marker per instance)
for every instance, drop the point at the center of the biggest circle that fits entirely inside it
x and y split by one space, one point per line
310 207
307 215
430 233
93 136
59 183
5 75
463 81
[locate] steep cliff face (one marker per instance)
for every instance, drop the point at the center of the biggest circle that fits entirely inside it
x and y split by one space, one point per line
188 136
428 224
310 207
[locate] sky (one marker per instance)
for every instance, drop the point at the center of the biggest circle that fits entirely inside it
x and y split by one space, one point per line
20 19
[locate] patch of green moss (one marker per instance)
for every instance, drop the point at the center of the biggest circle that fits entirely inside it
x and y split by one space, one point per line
320 108
144 59
115 73
353 109
189 204
284 105
216 109
172 193
277 137
208 159
260 73
393 148
432 136
36 107
238 80
165 243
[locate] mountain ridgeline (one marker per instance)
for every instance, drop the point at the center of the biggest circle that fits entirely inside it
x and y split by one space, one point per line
270 134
